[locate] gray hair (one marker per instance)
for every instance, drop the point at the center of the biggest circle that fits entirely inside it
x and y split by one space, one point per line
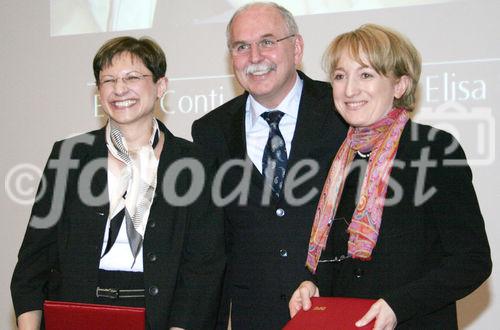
287 16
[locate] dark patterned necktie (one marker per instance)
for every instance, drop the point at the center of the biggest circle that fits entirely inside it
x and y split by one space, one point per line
274 158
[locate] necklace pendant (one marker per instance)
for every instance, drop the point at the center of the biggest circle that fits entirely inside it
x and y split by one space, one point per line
362 155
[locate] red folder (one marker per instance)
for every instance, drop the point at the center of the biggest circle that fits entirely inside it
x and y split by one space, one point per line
329 313
77 316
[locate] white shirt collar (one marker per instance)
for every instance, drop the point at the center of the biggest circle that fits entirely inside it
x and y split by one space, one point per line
289 105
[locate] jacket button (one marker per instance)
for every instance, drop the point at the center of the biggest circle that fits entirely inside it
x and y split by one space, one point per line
358 273
283 297
153 290
152 257
151 224
280 212
283 253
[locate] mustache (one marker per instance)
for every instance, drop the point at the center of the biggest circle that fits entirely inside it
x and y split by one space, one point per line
260 67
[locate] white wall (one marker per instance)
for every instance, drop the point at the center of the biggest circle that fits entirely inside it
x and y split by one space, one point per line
47 93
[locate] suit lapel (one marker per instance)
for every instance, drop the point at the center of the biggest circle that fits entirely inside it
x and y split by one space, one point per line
236 139
311 131
93 217
161 210
235 130
99 183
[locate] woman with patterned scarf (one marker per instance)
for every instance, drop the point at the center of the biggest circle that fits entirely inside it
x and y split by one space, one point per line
105 228
398 219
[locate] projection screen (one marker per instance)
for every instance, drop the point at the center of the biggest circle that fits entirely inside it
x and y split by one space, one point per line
49 93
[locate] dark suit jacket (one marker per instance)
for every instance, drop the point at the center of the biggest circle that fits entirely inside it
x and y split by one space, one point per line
432 248
267 244
183 246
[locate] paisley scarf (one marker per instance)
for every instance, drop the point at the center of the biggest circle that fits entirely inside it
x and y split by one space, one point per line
382 140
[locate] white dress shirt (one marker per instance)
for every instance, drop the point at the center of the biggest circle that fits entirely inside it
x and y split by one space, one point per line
257 129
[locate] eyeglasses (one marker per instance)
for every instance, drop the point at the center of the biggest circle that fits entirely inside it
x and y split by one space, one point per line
265 44
130 79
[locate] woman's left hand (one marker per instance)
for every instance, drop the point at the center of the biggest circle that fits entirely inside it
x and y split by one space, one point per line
384 316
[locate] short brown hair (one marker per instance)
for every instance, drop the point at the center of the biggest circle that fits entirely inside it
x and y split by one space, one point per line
387 51
145 49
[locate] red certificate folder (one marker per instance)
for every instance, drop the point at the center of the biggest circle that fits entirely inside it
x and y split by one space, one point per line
328 313
77 316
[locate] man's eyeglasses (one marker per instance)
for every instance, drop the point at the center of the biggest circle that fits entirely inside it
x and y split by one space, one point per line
130 79
265 44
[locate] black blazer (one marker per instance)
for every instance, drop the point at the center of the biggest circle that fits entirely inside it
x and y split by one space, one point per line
267 244
432 248
183 247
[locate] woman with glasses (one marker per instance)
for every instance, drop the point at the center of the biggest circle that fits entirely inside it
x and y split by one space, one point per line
398 220
105 228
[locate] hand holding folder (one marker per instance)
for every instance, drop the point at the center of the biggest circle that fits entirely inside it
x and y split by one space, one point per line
332 313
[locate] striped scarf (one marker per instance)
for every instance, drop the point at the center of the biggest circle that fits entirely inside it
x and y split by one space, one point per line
137 182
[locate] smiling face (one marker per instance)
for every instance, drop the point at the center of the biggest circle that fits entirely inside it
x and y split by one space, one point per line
361 95
130 103
267 74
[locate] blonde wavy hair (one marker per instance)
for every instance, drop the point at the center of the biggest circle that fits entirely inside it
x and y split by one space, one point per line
387 51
